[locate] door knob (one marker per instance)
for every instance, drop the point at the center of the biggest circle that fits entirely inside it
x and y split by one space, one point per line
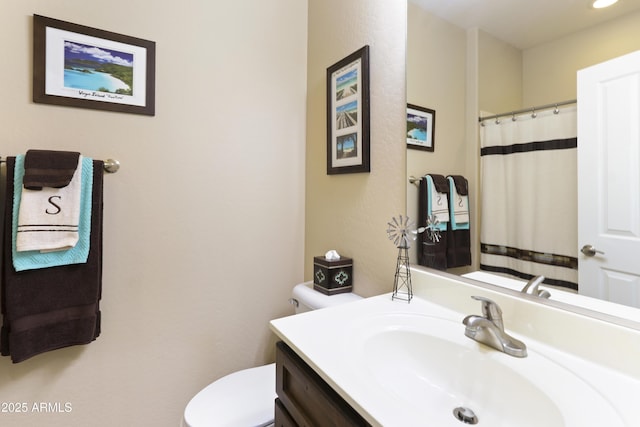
589 250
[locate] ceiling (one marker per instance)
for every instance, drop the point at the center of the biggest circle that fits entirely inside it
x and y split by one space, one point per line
525 24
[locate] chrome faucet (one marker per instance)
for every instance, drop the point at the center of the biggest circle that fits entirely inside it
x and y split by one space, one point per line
489 329
531 287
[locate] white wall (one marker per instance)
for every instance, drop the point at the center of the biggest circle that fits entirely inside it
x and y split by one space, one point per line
349 212
204 222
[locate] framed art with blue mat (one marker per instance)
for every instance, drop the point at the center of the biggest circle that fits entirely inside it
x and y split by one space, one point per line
421 128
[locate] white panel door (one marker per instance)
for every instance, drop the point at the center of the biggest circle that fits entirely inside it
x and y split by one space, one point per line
609 180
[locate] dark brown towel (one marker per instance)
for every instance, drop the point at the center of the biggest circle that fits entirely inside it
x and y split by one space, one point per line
458 241
51 308
458 248
462 185
441 183
46 168
431 254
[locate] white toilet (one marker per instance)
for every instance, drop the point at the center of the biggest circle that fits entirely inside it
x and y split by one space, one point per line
246 398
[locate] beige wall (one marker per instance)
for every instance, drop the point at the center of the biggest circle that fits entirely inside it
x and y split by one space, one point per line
436 79
204 222
549 70
511 79
349 212
499 75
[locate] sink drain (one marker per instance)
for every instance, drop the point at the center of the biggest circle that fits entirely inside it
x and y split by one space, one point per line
465 415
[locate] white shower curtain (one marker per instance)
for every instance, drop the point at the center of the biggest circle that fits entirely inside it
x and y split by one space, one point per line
529 196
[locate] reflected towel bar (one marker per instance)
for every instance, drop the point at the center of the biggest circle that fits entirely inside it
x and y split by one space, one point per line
415 181
110 165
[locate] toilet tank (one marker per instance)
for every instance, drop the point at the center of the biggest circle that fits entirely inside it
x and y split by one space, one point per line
304 298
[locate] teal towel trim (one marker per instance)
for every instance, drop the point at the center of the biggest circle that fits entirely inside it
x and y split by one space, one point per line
442 226
31 260
452 217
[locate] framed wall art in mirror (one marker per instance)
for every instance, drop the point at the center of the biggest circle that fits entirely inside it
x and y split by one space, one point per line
348 114
80 66
421 127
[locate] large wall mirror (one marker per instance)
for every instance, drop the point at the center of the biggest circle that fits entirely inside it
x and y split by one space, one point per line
501 57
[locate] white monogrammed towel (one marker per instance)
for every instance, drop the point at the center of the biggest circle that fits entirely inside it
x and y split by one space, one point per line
48 219
459 203
437 204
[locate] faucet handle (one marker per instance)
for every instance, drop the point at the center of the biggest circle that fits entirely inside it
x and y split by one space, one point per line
490 309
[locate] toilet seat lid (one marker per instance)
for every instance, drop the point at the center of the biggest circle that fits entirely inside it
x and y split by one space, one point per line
242 398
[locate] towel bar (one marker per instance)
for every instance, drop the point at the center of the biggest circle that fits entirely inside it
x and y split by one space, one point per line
110 165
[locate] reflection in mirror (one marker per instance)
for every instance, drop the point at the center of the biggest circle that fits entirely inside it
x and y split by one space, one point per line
528 196
459 69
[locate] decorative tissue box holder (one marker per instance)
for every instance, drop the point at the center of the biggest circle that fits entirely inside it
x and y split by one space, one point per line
332 276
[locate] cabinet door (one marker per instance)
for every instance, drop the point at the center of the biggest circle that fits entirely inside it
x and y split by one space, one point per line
308 398
282 417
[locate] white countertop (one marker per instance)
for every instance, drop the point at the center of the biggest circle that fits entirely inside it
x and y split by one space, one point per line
329 341
322 338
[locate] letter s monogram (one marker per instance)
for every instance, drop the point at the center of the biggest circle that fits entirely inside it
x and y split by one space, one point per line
59 209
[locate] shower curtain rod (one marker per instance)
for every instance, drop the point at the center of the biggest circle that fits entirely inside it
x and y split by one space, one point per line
110 165
526 110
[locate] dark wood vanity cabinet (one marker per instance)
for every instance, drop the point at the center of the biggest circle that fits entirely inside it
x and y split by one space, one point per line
305 399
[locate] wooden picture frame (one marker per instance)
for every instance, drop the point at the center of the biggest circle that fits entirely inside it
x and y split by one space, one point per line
421 128
79 66
348 145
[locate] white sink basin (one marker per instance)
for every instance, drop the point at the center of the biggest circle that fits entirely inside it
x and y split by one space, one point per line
401 364
428 365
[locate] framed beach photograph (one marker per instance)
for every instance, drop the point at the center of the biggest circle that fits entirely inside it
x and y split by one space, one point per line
421 128
348 114
80 66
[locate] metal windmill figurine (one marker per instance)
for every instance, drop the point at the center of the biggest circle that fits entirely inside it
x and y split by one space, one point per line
401 231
